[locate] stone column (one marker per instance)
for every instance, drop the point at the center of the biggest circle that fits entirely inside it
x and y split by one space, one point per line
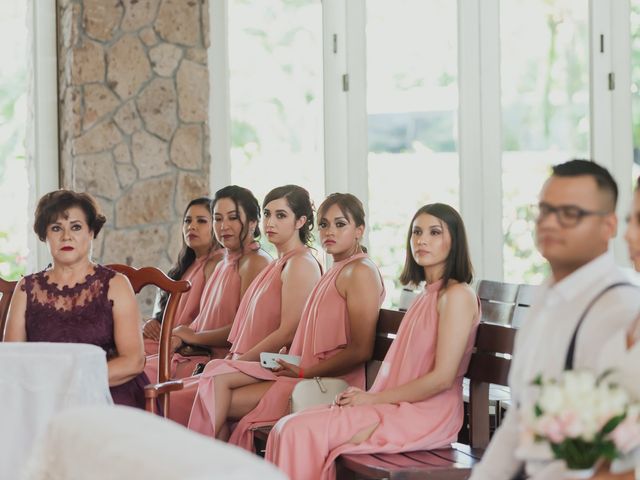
134 90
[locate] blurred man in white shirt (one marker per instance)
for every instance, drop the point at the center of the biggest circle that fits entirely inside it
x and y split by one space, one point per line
575 222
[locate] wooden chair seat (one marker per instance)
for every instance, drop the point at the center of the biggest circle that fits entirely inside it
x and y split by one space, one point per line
439 464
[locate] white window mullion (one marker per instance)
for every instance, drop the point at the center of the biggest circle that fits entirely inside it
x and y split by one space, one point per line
219 109
480 133
610 78
42 137
600 69
621 121
357 146
345 101
334 37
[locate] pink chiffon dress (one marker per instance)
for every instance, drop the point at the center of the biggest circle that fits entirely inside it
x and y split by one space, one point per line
257 317
324 330
189 304
304 445
218 306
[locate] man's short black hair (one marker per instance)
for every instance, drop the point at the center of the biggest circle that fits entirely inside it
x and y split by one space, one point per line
578 167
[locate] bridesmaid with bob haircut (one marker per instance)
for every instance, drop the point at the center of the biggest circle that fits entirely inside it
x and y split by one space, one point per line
416 401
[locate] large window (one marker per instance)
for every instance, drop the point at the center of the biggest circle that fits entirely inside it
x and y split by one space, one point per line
545 113
412 108
275 63
422 96
13 118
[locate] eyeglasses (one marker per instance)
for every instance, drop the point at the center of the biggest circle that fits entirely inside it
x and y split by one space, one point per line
568 216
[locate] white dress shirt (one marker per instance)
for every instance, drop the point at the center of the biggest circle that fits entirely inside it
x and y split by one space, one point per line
541 346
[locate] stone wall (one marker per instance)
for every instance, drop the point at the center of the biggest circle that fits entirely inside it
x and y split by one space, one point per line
134 89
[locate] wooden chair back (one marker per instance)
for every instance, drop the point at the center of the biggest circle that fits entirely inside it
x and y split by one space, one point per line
489 364
6 292
386 329
498 301
524 299
139 279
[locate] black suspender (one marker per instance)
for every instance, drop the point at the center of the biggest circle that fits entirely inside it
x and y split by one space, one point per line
568 362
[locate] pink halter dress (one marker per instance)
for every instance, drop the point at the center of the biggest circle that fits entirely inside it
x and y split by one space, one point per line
324 331
304 445
218 306
257 317
189 304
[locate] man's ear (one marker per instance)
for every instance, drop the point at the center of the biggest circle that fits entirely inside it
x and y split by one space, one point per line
610 223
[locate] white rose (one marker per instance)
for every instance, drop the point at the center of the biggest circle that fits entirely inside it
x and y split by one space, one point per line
578 382
551 399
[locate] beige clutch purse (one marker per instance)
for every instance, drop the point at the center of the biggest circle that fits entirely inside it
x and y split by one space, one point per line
316 391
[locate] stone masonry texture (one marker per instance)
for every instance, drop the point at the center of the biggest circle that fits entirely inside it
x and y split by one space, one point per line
133 84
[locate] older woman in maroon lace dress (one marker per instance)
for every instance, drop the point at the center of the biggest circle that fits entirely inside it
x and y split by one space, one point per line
78 301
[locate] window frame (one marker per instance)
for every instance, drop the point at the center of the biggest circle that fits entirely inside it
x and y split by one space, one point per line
480 111
42 148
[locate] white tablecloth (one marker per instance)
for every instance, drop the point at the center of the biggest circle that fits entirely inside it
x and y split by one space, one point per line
38 380
117 443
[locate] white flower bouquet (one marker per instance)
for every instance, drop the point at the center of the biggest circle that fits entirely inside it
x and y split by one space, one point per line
583 418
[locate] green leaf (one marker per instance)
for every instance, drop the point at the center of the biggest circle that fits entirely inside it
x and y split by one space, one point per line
611 425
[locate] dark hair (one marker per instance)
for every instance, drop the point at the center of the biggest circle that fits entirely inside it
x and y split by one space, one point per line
350 206
578 167
300 204
458 264
55 204
241 197
187 255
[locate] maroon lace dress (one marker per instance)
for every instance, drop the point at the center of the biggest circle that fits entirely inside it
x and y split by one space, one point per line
78 314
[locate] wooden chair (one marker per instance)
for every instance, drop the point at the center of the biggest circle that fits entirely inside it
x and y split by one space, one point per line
140 278
386 330
524 299
6 292
498 301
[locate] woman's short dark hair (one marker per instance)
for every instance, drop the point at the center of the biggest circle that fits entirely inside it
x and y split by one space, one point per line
241 197
55 204
458 264
187 255
300 204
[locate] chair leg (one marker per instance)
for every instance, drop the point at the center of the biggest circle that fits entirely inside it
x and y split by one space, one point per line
150 405
498 414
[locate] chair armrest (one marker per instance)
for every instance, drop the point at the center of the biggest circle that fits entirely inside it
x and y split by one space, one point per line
154 390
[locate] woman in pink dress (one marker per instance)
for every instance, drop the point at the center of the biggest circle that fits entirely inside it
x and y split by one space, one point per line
197 259
236 214
335 336
416 400
270 310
